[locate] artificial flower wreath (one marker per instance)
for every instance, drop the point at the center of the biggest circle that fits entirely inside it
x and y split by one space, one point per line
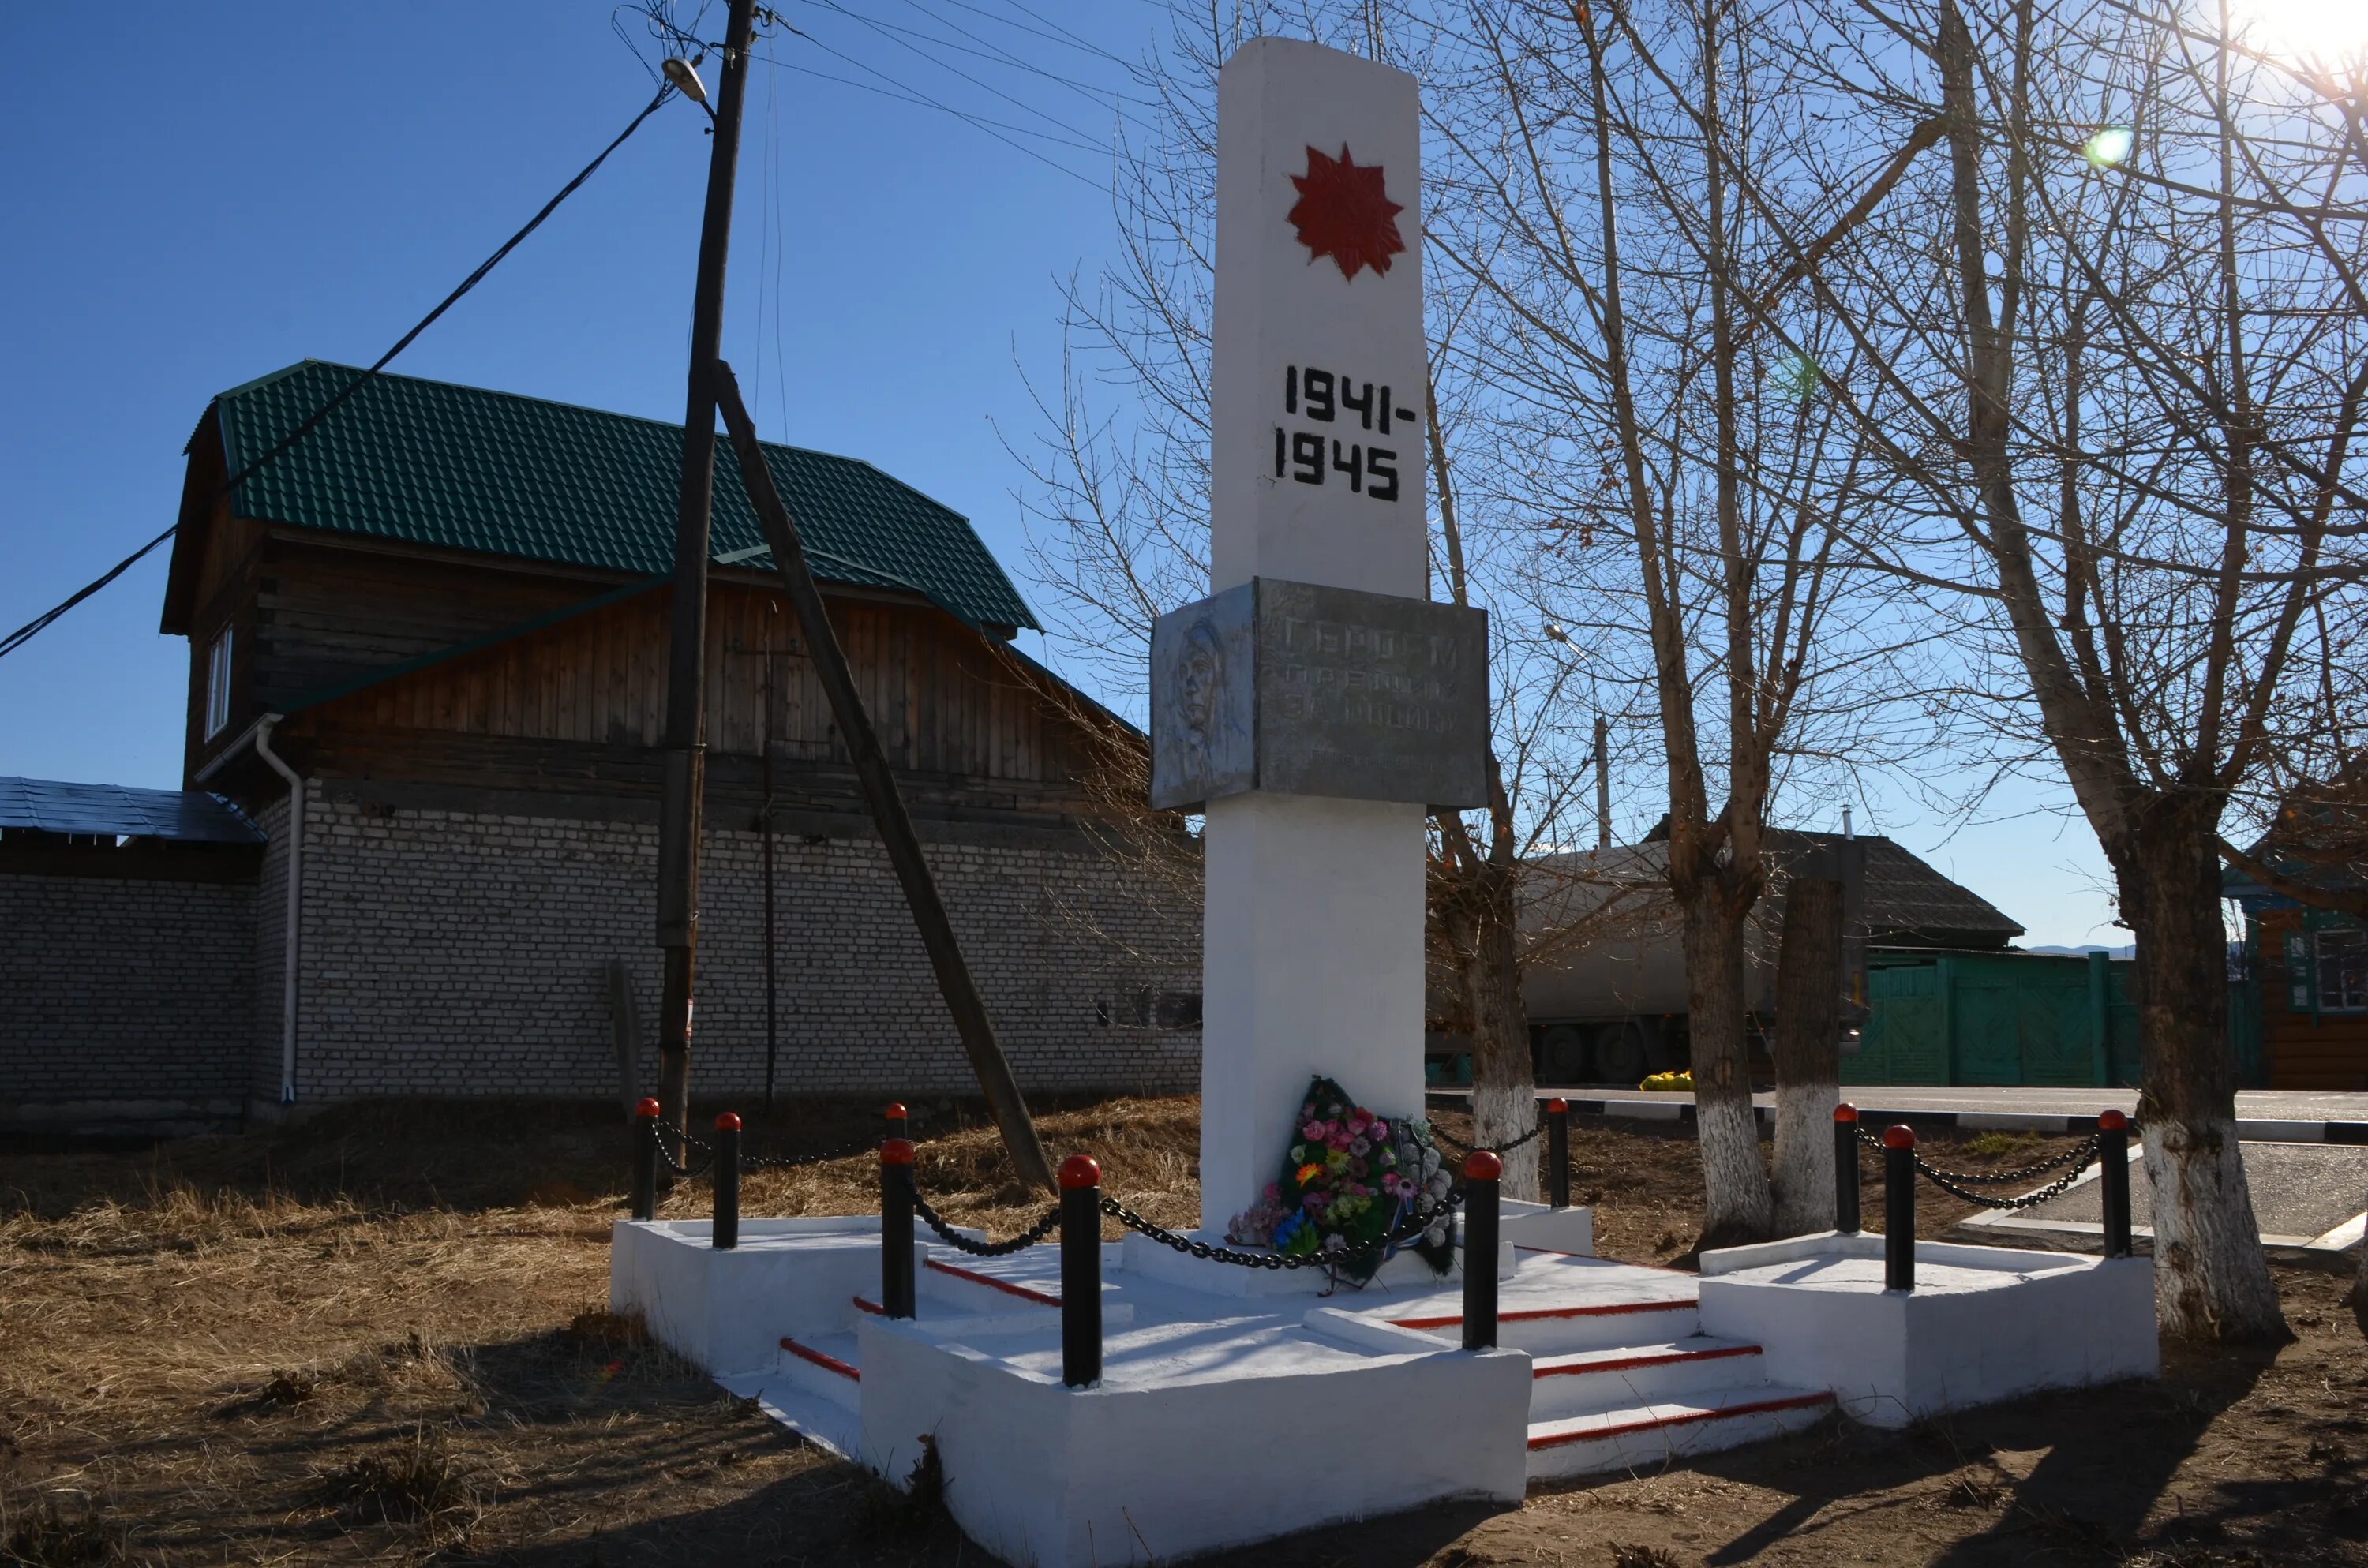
1349 1179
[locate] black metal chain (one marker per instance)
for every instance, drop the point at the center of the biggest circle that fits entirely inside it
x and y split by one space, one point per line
2080 1151
1332 1258
1460 1147
657 1135
662 1131
953 1238
793 1162
1951 1182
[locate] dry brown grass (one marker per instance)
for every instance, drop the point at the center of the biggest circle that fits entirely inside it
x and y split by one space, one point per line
381 1337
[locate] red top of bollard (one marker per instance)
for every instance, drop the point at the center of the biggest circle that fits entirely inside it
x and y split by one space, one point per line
1844 1112
895 1111
727 1122
1482 1166
1899 1135
1080 1170
896 1151
2111 1121
648 1107
1557 1107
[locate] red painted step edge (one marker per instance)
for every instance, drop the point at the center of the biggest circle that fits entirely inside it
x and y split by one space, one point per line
1609 1309
1631 1363
872 1308
826 1362
1006 1286
1757 1407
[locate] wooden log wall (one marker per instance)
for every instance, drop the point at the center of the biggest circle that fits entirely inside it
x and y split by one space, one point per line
941 701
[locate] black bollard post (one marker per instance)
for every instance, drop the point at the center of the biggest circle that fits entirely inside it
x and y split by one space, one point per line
645 1160
1846 1218
896 1229
2114 1179
1899 1207
726 1232
1558 1152
896 1121
1081 1272
1481 1173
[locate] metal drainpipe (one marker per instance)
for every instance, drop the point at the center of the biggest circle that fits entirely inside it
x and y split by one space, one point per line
295 901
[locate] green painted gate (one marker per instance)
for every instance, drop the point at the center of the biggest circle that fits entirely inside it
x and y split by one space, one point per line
1996 1018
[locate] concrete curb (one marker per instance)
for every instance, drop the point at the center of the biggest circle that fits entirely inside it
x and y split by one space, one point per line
1680 1109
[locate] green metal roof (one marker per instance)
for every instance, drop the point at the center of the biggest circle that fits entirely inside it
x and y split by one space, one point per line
462 468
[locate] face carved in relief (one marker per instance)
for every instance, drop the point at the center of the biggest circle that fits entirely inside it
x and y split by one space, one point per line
1199 674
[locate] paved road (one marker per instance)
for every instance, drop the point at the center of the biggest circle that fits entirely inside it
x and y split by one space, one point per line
2299 1189
2252 1105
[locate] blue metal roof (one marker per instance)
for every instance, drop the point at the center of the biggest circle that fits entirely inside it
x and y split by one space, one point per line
187 816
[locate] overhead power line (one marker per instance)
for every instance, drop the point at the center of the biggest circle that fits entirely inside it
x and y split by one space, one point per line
34 627
906 93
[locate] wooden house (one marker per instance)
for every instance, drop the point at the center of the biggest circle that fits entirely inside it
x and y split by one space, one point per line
2303 995
445 612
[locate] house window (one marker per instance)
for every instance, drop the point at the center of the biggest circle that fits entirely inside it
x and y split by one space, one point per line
218 684
2343 971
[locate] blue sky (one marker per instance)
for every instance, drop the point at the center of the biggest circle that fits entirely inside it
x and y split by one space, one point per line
241 187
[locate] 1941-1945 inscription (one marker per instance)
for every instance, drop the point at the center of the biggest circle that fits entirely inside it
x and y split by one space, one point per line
1299 689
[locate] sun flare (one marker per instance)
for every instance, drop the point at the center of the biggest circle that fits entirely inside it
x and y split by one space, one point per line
2326 31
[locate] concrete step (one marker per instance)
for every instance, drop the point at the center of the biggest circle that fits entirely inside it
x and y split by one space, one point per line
1562 1386
977 1287
1568 1330
834 1427
1641 1436
824 1365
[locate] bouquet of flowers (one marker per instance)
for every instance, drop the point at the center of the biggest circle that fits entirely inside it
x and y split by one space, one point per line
1351 1177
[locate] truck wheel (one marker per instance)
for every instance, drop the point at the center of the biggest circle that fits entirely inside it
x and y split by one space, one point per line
1620 1055
1562 1055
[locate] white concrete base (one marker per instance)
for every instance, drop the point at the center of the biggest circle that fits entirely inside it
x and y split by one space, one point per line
727 1311
1186 1445
1982 1323
1535 1227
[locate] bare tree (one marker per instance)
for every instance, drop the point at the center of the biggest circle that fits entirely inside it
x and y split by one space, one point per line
1588 208
1807 1048
2111 350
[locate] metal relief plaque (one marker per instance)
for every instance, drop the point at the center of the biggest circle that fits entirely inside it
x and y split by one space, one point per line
1302 689
1203 701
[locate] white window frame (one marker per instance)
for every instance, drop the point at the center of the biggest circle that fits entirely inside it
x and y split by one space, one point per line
218 668
2331 1000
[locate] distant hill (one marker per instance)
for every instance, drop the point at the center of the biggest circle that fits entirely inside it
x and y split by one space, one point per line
2126 950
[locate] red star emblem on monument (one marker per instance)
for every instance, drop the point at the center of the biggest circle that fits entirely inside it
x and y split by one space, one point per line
1344 212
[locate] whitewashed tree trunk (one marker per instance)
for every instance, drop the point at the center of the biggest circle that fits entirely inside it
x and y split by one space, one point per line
2212 1279
1807 1051
1477 916
2359 1288
1500 1113
1737 1207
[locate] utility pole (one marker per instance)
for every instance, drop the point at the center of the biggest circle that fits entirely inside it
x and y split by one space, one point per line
1602 783
686 684
878 781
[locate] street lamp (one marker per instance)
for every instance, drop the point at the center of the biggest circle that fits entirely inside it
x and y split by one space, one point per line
686 79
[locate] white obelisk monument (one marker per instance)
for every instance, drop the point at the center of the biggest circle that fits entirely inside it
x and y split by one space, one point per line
1313 959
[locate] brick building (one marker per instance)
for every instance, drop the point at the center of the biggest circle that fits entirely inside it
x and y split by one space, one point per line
442 614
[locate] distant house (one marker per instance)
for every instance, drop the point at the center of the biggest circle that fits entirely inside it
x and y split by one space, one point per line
2304 993
444 613
1604 980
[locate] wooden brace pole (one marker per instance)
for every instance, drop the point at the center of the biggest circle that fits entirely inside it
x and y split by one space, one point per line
880 793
